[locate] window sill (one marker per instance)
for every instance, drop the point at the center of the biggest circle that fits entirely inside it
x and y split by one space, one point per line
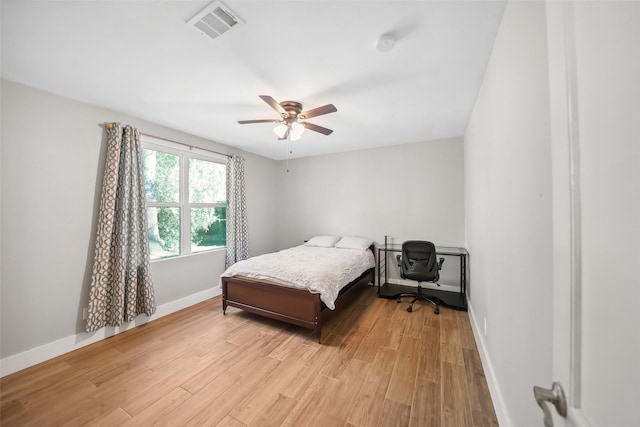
208 251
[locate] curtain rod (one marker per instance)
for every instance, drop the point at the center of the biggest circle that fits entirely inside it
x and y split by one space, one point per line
110 125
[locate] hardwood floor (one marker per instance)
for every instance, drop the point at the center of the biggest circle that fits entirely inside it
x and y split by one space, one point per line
377 366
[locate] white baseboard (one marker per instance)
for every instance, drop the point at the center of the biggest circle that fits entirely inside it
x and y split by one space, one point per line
494 388
31 357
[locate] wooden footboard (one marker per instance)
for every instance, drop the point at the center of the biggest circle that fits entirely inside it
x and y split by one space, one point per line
295 306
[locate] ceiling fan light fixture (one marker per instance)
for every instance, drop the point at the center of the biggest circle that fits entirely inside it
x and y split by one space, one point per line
297 129
295 137
280 130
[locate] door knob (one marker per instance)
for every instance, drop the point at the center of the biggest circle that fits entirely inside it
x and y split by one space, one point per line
555 395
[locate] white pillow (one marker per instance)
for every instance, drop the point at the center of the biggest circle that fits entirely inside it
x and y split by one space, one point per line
354 243
323 241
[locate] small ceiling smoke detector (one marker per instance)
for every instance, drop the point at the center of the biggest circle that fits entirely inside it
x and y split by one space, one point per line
385 42
215 20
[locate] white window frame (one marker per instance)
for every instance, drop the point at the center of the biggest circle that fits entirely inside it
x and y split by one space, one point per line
185 153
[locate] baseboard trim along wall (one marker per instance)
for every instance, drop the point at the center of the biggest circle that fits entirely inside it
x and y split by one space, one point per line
31 357
494 389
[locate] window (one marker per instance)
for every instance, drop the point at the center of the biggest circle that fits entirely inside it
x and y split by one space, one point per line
186 195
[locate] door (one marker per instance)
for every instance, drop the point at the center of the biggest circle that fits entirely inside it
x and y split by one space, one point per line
594 80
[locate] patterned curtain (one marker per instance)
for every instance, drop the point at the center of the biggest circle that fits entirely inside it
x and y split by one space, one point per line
237 232
121 287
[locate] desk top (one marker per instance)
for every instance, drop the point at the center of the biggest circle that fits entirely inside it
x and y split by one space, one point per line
441 250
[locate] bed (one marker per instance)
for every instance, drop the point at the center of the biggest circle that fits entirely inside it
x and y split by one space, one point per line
297 284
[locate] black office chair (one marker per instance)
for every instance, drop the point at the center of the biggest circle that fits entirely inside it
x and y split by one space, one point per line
418 262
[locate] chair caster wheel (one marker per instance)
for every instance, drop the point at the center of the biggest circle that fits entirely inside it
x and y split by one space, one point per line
409 309
437 310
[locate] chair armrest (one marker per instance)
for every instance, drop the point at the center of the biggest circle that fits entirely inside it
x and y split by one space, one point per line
440 262
399 259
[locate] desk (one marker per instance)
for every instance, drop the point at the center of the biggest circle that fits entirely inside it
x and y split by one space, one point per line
456 300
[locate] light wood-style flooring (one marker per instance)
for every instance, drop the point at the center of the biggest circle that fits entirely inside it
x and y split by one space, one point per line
377 366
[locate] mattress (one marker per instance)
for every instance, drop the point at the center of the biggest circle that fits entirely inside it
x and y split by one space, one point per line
324 271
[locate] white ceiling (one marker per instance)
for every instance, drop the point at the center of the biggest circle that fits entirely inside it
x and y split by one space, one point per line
141 58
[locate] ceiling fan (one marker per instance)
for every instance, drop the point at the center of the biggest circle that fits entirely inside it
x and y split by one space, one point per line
292 121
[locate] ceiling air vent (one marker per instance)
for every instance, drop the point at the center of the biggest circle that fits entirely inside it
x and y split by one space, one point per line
215 20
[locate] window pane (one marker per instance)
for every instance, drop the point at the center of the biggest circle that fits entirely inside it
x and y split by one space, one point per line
161 176
164 232
208 228
207 182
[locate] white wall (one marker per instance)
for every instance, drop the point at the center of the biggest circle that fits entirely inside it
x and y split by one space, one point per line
52 155
508 215
411 191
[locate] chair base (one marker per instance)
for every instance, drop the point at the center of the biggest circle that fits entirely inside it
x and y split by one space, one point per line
419 297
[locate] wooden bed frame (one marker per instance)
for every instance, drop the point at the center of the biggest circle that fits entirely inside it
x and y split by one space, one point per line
295 306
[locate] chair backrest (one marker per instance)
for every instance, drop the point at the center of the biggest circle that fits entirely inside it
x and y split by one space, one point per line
419 261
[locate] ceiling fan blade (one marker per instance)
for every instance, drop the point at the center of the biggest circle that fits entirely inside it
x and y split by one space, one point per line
274 104
244 122
317 128
325 109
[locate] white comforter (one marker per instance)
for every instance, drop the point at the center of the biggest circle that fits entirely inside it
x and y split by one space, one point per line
320 270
